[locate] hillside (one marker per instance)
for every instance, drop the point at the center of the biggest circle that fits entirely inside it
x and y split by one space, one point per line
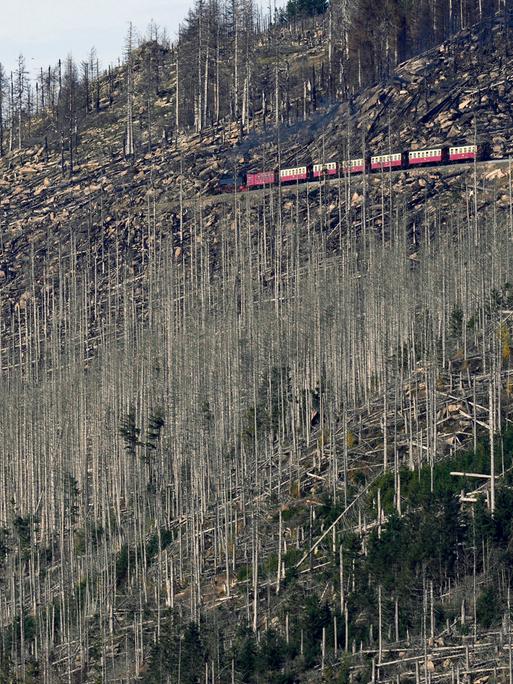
450 95
230 423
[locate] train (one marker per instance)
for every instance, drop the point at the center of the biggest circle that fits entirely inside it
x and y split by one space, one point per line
434 156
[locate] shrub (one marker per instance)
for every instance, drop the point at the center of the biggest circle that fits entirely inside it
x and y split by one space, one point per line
306 8
487 607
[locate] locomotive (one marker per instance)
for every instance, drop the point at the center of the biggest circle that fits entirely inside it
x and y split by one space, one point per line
435 156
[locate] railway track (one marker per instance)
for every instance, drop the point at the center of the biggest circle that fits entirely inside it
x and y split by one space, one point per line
206 199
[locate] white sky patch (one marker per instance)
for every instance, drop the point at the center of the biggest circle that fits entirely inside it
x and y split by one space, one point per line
46 30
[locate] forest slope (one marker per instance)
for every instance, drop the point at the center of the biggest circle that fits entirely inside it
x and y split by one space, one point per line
229 424
450 95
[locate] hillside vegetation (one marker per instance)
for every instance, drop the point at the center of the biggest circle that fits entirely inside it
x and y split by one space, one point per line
240 432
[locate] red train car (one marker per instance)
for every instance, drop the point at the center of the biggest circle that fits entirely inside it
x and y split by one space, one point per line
296 174
354 166
386 161
255 180
465 152
329 169
433 156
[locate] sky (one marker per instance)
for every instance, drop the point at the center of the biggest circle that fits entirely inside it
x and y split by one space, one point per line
44 30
